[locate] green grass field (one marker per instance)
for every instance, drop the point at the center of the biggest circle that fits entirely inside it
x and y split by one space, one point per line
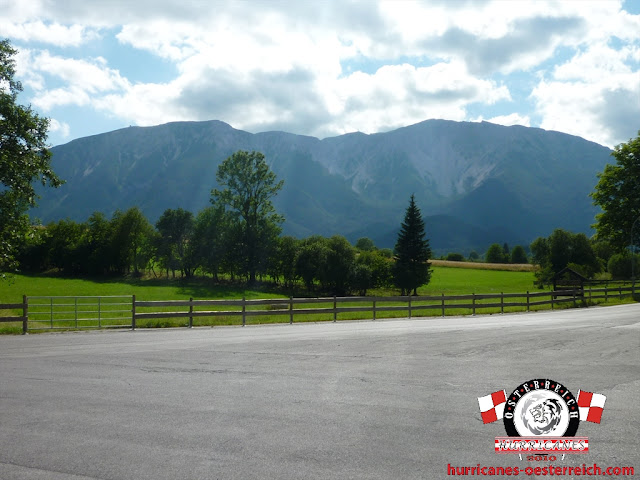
444 280
450 281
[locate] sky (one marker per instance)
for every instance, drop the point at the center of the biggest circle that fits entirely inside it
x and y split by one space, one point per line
325 68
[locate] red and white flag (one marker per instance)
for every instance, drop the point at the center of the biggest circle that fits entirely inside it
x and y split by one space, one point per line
492 406
590 406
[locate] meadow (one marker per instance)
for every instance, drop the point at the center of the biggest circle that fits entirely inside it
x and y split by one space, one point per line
447 280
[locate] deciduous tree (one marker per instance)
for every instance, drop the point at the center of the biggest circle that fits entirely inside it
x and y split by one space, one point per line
618 194
518 255
495 254
24 158
247 187
176 232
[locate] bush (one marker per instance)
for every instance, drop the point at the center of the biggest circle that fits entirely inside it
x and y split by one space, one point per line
455 257
495 254
619 266
518 255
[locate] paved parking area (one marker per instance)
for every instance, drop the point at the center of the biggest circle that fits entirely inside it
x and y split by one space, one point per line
393 399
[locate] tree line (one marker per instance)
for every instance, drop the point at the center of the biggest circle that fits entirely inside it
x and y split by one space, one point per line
181 244
238 236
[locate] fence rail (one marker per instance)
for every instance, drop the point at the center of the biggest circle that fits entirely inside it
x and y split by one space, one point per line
15 306
51 313
80 312
192 309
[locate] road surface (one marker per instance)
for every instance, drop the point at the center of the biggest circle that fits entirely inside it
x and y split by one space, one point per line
391 399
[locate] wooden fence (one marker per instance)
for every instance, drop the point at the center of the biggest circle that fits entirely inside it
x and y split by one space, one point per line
22 318
127 312
374 307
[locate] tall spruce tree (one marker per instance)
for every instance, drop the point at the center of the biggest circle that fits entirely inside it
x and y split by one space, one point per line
411 269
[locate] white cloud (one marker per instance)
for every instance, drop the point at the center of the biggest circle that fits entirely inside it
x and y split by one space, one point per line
53 33
508 120
61 128
596 94
268 65
397 95
82 80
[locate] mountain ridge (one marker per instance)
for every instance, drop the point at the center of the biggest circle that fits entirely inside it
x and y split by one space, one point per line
517 182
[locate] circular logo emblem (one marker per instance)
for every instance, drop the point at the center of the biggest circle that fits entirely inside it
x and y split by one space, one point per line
541 407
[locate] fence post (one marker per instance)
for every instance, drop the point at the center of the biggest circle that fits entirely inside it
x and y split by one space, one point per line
620 287
374 309
409 305
502 303
244 311
606 294
335 306
574 298
191 312
443 305
473 304
25 314
527 300
133 312
552 299
290 310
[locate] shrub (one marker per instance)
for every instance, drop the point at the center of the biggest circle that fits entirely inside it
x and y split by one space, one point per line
518 255
495 254
619 266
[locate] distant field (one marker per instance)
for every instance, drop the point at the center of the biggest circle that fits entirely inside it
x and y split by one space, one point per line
458 281
514 267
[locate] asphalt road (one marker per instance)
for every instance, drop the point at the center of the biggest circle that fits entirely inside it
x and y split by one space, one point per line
392 399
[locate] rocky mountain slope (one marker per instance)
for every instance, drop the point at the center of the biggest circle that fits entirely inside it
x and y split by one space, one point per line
476 183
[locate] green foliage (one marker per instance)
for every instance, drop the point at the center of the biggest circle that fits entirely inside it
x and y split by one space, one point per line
474 256
100 233
175 243
68 246
283 262
131 237
380 266
365 244
99 246
618 195
24 158
603 249
249 185
560 250
339 265
496 254
212 242
311 260
620 266
411 269
518 255
455 257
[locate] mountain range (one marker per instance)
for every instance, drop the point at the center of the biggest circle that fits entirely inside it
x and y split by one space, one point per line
475 183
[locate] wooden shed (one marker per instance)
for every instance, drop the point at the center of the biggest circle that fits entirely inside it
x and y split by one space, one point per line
569 279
